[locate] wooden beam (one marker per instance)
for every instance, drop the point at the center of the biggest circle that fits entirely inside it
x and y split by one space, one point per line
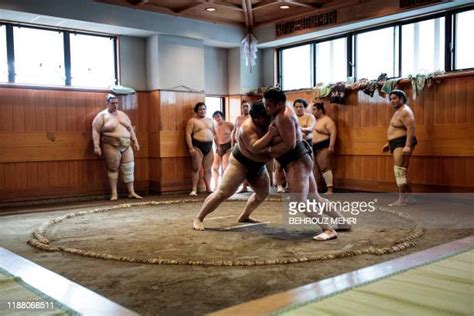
264 4
246 16
304 4
250 13
223 4
268 3
188 7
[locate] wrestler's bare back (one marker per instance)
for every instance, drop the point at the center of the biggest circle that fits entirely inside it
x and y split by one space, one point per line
248 135
283 128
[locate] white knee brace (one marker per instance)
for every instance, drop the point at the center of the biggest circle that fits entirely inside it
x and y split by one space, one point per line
112 174
127 171
328 178
400 175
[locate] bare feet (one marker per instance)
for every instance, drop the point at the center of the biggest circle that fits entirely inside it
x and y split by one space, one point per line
399 203
198 224
133 195
326 235
113 197
247 220
329 191
193 193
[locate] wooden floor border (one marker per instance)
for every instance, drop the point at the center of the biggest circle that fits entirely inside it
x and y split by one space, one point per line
73 295
314 291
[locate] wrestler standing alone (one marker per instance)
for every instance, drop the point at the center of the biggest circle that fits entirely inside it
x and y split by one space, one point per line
245 111
324 140
200 134
401 142
113 130
224 131
306 121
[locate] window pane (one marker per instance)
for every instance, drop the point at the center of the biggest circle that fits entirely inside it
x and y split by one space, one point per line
92 61
296 67
423 47
331 61
39 56
375 53
464 43
3 54
213 104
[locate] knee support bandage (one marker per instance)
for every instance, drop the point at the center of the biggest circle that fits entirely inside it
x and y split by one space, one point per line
112 174
400 175
127 171
328 178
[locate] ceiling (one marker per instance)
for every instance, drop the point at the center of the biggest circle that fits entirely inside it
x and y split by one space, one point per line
245 13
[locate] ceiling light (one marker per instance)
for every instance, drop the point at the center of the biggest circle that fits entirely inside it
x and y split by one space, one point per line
284 7
210 9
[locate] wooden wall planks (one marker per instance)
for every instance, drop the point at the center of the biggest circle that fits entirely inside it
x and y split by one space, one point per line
444 157
45 136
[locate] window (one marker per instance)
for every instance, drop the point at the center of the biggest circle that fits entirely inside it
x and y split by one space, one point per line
297 67
3 54
92 61
464 50
45 56
376 53
423 47
39 56
214 104
442 41
331 61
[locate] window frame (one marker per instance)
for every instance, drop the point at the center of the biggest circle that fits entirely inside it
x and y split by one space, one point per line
449 43
453 37
312 62
328 39
223 102
116 56
66 52
372 29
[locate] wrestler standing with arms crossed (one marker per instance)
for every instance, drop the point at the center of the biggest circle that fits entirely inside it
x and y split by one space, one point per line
200 134
113 129
401 142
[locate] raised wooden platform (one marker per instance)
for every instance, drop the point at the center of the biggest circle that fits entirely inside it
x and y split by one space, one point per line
73 295
324 288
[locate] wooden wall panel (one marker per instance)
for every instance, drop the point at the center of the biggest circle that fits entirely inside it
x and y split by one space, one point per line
45 136
46 143
175 174
444 157
172 171
233 108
